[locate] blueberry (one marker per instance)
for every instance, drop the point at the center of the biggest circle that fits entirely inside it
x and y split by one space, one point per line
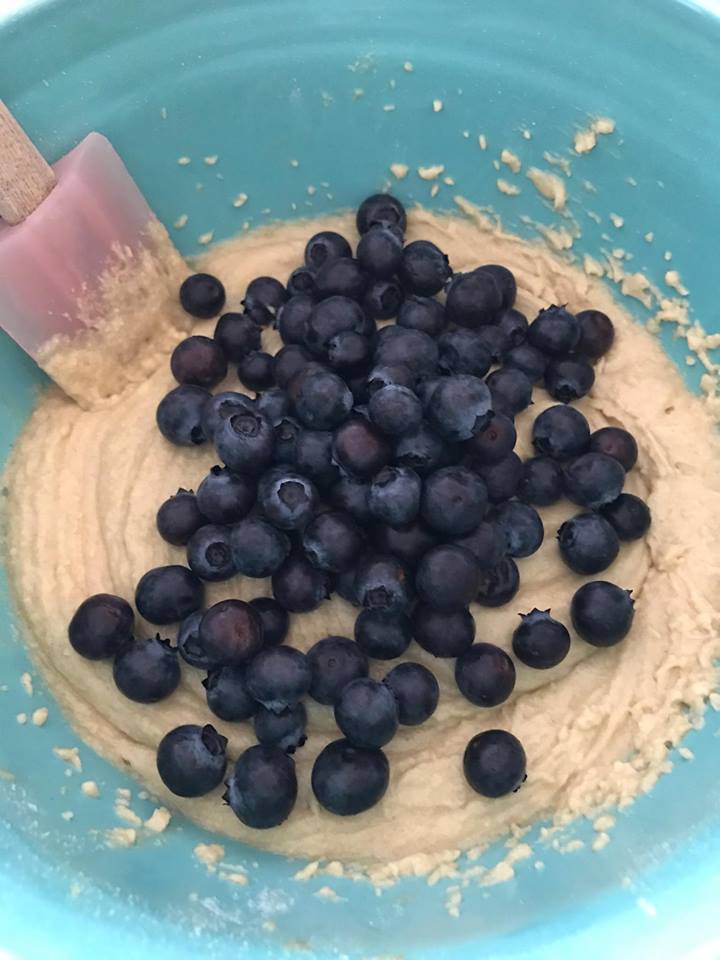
286 433
473 299
542 482
560 432
245 442
494 340
443 634
615 442
168 594
522 526
384 376
288 362
410 348
422 450
447 577
292 318
593 479
263 298
424 314
332 541
258 548
179 415
334 663
463 351
146 671
568 379
189 644
498 585
380 252
344 585
408 543
101 626
360 448
628 515
274 618
324 247
461 406
348 350
382 636
487 543
529 360
505 282
424 269
347 780
287 499
262 788
285 730
278 677
485 675
191 759
209 554
202 295
540 641
515 326
298 586
340 278
501 479
301 282
227 694
255 370
221 406
224 496
494 442
511 391
179 517
198 360
602 613
588 544
555 331
274 404
494 763
366 713
394 496
596 334
231 632
314 457
382 583
454 501
351 496
334 315
322 401
237 334
383 299
416 692
380 209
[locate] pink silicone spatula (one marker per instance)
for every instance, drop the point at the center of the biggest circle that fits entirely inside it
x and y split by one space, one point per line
85 266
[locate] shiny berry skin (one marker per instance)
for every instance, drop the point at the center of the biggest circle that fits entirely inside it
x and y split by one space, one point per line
422 450
447 578
555 331
223 405
505 282
383 376
410 348
191 760
301 282
101 626
198 360
416 692
515 326
593 480
560 432
244 442
263 298
292 318
494 442
380 209
501 479
285 730
168 594
394 496
348 780
351 496
461 406
332 541
360 448
343 277
395 410
237 334
494 340
189 644
288 362
262 788
443 634
542 482
568 380
287 499
529 360
366 713
511 391
382 583
522 526
314 458
334 663
486 543
209 553
485 675
255 371
628 515
278 677
615 442
330 317
454 501
540 642
348 350
224 496
147 671
179 517
422 313
323 401
588 544
179 415
298 586
324 247
275 620
382 299
202 295
596 334
258 548
498 585
424 269
380 252
274 404
494 763
231 632
227 693
602 613
382 636
462 351
473 299
408 543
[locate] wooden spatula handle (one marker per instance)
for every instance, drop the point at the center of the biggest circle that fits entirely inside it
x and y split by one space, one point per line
25 178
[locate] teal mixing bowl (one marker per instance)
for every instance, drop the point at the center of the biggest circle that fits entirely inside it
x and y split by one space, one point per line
261 85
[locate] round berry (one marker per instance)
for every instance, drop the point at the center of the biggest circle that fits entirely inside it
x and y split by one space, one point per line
380 252
382 636
329 318
443 634
366 713
447 577
288 362
410 348
287 499
292 318
275 620
531 361
617 443
416 692
395 410
324 247
540 641
100 626
202 295
334 663
314 458
179 517
231 632
285 730
278 677
237 334
593 480
498 585
514 324
191 760
360 448
494 442
286 433
380 209
258 548
209 554
454 501
463 351
384 376
198 360
588 544
301 282
485 675
596 334
522 526
501 479
323 400
555 331
168 594
381 583
262 788
461 406
424 269
422 450
394 496
224 496
473 299
505 282
408 543
348 780
273 404
147 671
332 541
494 340
511 391
351 496
494 763
602 613
179 415
487 543
567 379
560 432
348 350
221 406
227 693
189 644
256 370
340 278
628 515
422 313
298 586
245 442
263 298
542 482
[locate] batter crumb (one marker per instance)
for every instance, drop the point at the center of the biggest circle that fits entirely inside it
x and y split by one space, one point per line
39 717
617 220
649 237
238 878
307 871
67 815
269 925
555 160
448 181
586 140
181 221
399 170
646 907
240 200
389 107
90 788
211 160
210 854
327 893
408 66
549 185
604 823
511 160
70 755
26 683
686 753
667 256
158 821
120 837
184 161
600 841
431 172
437 106
453 901
311 190
21 718
482 141
509 189
434 189
526 134
206 238
672 279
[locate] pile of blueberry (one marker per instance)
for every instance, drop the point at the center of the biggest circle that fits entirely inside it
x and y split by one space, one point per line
377 462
